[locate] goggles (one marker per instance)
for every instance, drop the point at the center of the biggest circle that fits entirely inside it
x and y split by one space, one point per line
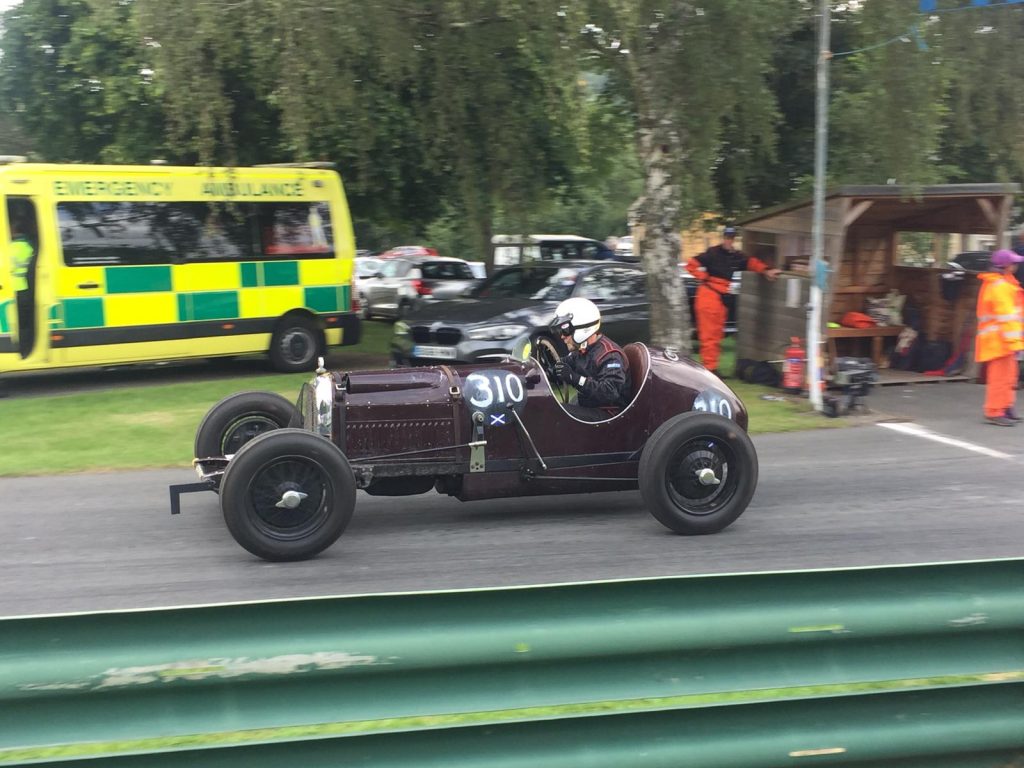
563 325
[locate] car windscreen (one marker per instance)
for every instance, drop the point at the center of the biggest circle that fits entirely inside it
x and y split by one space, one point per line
540 283
395 268
446 270
367 267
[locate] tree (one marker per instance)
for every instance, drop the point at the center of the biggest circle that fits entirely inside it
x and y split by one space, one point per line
887 107
427 105
696 80
982 136
74 81
451 118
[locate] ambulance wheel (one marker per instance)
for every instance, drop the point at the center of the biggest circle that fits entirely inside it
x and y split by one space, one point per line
698 473
295 345
288 495
239 418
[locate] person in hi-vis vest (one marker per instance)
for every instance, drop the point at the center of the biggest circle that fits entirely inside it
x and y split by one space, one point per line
1000 340
22 254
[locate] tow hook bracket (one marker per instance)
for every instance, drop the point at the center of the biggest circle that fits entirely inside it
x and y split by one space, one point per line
177 490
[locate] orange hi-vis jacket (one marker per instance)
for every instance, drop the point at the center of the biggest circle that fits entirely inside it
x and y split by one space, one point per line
1000 322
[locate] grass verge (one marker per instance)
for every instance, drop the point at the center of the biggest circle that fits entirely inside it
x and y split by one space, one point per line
151 426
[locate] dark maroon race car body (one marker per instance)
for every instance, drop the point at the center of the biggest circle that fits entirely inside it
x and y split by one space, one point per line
287 475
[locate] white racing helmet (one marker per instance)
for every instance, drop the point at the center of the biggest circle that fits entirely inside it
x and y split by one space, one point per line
579 317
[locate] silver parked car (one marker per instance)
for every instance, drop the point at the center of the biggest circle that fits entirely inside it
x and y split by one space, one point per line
366 270
401 285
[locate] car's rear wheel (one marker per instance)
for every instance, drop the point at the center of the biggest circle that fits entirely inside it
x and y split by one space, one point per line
295 345
239 418
698 473
288 495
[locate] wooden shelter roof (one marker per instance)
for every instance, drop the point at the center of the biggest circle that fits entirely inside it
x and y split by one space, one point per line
954 208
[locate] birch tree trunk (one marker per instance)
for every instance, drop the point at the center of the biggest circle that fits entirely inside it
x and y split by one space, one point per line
659 214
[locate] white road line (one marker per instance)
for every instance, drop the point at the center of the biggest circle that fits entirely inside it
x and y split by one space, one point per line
918 431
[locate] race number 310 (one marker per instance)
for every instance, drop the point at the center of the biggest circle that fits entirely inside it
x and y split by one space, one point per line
710 401
494 390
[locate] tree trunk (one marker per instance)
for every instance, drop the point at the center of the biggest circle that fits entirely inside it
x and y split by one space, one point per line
660 246
486 230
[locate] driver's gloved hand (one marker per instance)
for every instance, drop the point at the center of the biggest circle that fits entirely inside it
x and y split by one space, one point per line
566 374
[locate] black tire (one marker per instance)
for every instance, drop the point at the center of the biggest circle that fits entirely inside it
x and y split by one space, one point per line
263 471
295 345
239 418
669 464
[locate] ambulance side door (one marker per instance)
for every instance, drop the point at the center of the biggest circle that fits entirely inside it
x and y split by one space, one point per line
8 306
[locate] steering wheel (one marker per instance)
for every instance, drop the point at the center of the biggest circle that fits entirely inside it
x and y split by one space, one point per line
546 355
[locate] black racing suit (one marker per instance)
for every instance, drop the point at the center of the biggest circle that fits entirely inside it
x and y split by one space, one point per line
604 379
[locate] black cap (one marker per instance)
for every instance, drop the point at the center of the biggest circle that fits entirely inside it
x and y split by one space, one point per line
729 232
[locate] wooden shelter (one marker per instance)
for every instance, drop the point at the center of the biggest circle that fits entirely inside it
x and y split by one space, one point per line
873 249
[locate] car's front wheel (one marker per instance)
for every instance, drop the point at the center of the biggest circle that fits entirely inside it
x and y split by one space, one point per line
288 495
239 418
697 473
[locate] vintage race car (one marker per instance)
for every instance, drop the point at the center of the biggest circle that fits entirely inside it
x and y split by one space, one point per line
287 475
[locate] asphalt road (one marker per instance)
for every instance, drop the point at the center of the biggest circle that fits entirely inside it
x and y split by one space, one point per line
860 496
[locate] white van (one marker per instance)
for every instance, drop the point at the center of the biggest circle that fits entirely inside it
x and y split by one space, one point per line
515 249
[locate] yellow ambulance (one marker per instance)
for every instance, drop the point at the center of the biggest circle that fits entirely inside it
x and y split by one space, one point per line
154 262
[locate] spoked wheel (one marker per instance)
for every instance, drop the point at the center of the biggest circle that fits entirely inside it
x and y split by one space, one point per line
288 495
698 473
698 477
546 351
239 418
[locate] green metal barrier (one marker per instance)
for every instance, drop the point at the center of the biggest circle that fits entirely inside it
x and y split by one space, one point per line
910 665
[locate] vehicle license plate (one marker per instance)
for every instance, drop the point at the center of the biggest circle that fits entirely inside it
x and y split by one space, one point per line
440 353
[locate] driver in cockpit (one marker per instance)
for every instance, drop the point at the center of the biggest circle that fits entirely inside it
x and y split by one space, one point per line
596 366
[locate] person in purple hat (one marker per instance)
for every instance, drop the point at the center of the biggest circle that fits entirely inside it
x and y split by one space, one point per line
1000 340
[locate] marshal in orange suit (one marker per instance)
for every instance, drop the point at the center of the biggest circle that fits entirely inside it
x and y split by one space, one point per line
714 269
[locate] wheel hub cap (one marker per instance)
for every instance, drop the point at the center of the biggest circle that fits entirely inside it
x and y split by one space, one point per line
706 476
291 499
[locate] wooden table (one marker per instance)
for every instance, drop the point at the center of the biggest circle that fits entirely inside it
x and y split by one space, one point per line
876 334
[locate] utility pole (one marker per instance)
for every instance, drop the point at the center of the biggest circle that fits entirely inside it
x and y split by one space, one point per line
819 266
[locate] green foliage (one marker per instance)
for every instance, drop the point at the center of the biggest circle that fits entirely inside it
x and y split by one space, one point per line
72 76
695 79
888 108
983 137
451 120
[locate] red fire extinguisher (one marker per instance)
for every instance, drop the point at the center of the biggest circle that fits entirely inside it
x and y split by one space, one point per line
793 367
